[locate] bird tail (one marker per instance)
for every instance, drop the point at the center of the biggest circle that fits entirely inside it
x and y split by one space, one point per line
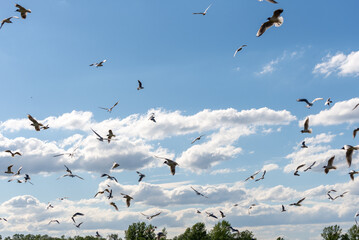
310 131
280 22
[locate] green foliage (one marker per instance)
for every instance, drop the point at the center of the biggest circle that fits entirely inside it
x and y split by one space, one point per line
353 233
140 231
331 232
247 235
198 231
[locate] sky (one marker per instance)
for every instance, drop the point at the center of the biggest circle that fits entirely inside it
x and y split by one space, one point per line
244 106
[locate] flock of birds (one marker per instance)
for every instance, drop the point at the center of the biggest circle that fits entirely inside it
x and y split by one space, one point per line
275 20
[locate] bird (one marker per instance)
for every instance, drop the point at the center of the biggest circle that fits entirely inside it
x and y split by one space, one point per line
261 178
69 174
3 219
141 175
239 49
355 106
149 217
18 172
27 178
349 153
198 193
196 139
283 209
9 171
276 20
252 176
114 205
329 196
251 207
13 154
303 145
78 225
110 109
23 11
355 132
75 215
110 135
7 20
97 235
205 11
310 167
329 165
233 229
128 199
71 154
351 174
110 194
152 117
101 192
68 169
139 85
34 123
309 104
298 204
49 205
341 195
198 211
271 1
101 139
100 64
54 221
172 164
62 198
222 214
356 215
306 126
211 215
109 177
297 169
328 102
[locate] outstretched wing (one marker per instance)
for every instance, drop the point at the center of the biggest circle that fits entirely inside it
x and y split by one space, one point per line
264 27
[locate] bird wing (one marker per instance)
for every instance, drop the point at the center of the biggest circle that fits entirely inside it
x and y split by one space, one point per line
128 201
317 99
300 166
104 108
303 100
330 161
306 123
21 8
139 84
58 155
264 27
173 169
277 13
114 205
301 200
97 134
355 132
9 168
349 155
114 105
32 119
205 11
155 215
356 106
68 170
271 1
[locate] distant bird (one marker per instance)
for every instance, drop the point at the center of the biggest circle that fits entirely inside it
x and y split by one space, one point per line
172 164
310 167
102 192
352 173
355 132
68 169
197 139
23 11
128 199
140 175
297 169
341 195
330 197
205 11
13 154
97 235
110 194
101 139
75 215
329 165
110 135
283 209
45 127
70 154
252 176
3 219
298 204
271 1
27 178
355 107
198 193
78 225
261 178
70 175
115 165
62 198
222 214
100 64
34 123
18 172
211 215
114 205
276 20
54 221
110 109
149 217
9 171
349 153
239 49
303 145
328 102
139 85
198 211
309 104
152 117
306 126
7 20
251 207
49 206
109 177
233 229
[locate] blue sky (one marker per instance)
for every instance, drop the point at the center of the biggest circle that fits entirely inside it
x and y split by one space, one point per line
246 107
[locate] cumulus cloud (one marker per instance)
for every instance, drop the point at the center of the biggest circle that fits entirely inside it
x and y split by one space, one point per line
344 65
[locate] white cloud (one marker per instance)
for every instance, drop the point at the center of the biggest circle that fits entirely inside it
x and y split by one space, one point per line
270 167
345 65
271 66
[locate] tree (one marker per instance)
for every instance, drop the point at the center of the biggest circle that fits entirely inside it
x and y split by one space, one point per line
353 233
248 235
140 231
332 232
197 231
221 231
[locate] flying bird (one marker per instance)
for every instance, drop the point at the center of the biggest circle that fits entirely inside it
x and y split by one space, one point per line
303 145
9 171
349 153
128 199
23 11
54 221
110 135
198 193
49 206
355 106
13 154
70 174
7 20
251 207
222 214
328 102
198 211
152 117
109 177
101 192
341 195
329 165
261 178
239 49
27 179
306 126
114 205
310 167
297 169
211 215
115 165
149 217
75 215
271 1
197 139
276 20
205 11
298 204
78 225
355 216
355 132
283 209
100 64
71 154
172 164
352 173
97 235
252 176
34 123
110 109
139 85
101 139
141 175
233 229
309 104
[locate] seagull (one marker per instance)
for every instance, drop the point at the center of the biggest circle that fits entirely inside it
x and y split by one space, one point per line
98 235
351 173
251 207
310 167
75 215
276 20
100 64
328 102
296 170
149 217
341 195
128 199
23 11
110 194
54 221
7 20
9 171
297 203
349 152
172 164
303 145
13 154
329 196
115 165
141 176
71 154
205 12
110 135
309 104
114 205
198 193
49 206
27 178
99 137
222 214
68 169
233 229
211 215
264 173
355 106
354 132
78 225
198 211
252 177
34 123
306 126
109 177
62 198
70 174
152 117
239 49
139 85
110 109
101 192
283 209
330 165
196 139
